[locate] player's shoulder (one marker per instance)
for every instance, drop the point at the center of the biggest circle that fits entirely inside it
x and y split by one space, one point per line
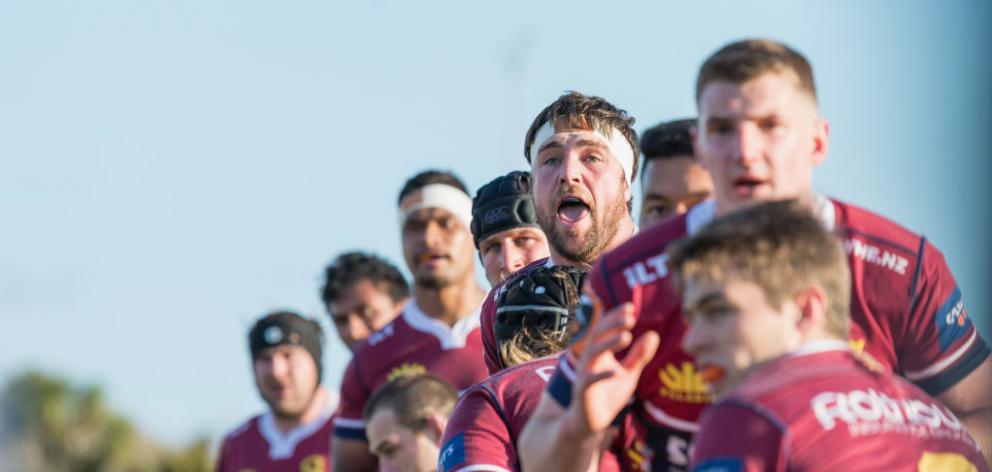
537 369
242 431
857 221
647 243
380 339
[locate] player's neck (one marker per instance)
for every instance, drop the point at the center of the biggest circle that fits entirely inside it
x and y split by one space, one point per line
625 229
314 411
723 208
451 302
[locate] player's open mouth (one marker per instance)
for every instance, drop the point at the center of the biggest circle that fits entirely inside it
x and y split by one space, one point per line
747 185
572 209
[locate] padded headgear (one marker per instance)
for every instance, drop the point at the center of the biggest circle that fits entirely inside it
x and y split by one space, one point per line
544 298
503 203
284 327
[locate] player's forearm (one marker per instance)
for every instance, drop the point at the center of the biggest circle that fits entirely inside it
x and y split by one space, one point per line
979 424
549 442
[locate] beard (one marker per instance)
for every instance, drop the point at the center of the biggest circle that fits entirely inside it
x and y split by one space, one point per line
293 409
596 238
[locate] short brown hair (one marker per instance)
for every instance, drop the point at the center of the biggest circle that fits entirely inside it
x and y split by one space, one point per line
574 110
413 398
779 246
748 59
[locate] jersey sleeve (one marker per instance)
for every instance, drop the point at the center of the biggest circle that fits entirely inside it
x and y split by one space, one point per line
735 437
940 345
221 465
486 322
348 421
477 437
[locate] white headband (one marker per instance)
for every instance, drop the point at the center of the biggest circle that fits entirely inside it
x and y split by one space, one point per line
616 142
440 196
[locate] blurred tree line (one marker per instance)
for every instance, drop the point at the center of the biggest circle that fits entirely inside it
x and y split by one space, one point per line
47 424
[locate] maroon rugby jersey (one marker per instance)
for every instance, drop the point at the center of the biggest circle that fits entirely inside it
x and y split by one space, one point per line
258 446
412 343
484 426
488 316
906 313
821 409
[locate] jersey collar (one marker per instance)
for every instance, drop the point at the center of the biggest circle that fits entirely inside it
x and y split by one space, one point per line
701 214
451 337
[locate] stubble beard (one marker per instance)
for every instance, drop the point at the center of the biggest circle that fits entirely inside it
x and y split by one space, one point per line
596 238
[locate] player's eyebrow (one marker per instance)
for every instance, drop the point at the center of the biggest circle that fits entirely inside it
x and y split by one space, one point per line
709 300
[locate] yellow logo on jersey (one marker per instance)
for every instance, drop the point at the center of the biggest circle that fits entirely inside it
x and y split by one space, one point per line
313 463
685 384
406 369
640 456
869 361
945 462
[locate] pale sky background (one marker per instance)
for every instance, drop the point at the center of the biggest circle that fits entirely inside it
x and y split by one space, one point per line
169 171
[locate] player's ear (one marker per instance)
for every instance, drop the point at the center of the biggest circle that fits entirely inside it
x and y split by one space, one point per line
821 141
812 304
434 427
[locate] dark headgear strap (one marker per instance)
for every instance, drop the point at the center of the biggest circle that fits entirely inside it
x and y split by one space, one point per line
545 298
284 327
502 204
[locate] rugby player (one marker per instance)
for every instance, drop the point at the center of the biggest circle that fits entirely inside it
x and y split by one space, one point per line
536 317
294 435
583 156
505 227
766 294
438 331
672 181
760 136
362 293
405 419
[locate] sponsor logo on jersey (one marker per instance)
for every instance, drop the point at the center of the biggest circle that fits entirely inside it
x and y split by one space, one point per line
951 320
683 384
876 255
452 454
646 271
313 463
871 412
406 368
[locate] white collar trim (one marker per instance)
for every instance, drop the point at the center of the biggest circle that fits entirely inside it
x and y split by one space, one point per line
701 214
453 337
820 345
282 446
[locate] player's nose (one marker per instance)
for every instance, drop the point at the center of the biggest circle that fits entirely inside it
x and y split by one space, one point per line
748 144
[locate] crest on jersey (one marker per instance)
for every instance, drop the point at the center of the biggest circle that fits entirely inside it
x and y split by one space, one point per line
406 368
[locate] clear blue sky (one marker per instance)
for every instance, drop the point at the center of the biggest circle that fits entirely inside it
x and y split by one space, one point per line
171 170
